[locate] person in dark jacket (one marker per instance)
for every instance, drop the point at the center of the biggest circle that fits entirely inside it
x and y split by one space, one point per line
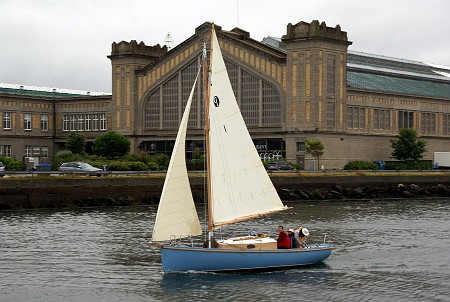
283 241
294 241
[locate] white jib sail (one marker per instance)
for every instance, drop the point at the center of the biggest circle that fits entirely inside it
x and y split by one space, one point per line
241 188
177 216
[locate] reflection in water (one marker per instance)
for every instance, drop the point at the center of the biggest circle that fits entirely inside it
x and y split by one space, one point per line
236 287
390 250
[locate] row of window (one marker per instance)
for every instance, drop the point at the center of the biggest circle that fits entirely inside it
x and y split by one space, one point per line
71 122
84 122
30 151
356 119
36 151
27 121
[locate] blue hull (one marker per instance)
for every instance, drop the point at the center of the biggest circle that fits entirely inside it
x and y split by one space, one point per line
179 259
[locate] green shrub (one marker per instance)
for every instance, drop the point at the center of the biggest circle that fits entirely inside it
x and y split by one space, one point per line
96 158
196 164
162 160
144 157
424 165
360 165
298 166
137 166
152 166
130 162
76 143
12 164
131 157
420 165
111 145
116 165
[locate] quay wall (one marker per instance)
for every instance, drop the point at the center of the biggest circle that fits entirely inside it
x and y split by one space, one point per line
54 192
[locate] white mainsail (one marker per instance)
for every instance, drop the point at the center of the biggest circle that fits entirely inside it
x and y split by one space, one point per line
240 186
177 216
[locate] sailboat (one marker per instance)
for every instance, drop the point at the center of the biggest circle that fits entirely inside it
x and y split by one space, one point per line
238 189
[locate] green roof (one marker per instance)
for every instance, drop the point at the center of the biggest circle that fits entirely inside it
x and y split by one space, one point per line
390 75
36 93
391 84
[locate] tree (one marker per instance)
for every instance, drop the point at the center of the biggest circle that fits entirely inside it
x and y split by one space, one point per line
111 145
76 143
314 148
407 146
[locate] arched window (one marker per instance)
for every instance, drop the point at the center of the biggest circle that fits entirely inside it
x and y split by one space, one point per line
258 99
152 111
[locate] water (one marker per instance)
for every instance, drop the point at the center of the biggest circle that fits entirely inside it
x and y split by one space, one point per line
384 251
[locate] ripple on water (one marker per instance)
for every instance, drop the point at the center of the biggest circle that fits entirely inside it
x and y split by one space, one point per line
384 251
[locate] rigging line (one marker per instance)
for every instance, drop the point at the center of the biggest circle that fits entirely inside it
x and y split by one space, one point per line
237 12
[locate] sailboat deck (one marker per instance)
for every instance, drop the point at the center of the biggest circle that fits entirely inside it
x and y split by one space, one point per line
248 242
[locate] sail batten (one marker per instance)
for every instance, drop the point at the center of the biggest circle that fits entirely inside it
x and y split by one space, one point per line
244 218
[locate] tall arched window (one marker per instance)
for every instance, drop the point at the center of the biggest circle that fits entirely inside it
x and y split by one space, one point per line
188 75
258 99
152 111
250 98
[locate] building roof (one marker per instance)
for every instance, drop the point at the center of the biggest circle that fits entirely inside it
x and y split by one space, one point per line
398 85
390 75
35 91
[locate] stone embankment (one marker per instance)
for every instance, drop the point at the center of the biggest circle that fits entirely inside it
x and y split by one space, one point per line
339 192
54 192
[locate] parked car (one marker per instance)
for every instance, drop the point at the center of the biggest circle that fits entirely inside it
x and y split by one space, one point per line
79 167
2 169
281 165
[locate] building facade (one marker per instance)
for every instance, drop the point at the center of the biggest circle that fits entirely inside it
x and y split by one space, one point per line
306 85
37 121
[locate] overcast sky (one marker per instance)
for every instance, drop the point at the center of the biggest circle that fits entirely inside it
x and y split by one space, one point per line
64 43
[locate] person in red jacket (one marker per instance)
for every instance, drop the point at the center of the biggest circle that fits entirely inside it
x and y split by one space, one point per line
283 241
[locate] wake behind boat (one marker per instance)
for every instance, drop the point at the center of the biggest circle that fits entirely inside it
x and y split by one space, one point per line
238 189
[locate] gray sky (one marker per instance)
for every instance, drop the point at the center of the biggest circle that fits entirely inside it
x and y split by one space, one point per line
64 43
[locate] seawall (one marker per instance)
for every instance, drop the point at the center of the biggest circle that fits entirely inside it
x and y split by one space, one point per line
59 192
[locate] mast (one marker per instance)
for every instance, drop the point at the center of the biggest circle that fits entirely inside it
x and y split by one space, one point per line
207 85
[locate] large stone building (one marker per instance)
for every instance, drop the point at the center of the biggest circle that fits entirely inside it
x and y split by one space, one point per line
305 85
36 121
